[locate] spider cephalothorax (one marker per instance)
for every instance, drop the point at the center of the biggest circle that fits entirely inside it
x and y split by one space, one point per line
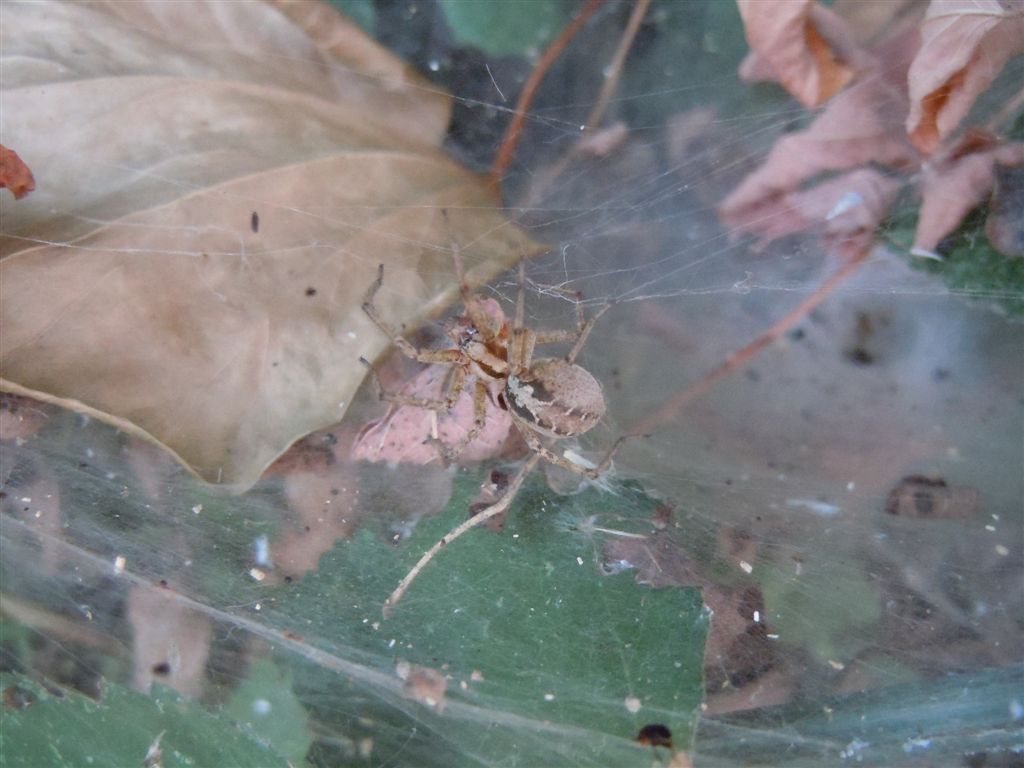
546 397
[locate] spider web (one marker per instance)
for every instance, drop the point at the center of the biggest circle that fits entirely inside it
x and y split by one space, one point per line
848 501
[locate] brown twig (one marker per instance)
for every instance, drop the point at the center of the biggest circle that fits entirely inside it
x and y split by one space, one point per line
482 517
672 407
510 140
611 81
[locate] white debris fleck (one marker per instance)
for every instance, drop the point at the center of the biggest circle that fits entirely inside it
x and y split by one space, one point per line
351 334
1016 709
476 676
746 567
850 486
197 509
1001 550
854 749
578 460
257 575
847 202
911 744
990 528
818 507
837 665
579 560
549 697
261 707
757 617
119 563
632 704
261 551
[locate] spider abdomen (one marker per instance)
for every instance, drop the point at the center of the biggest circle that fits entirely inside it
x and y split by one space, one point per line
555 397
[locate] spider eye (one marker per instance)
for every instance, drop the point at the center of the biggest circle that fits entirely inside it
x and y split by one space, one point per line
468 334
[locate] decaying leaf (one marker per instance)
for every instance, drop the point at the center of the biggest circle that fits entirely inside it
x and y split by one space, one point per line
803 45
856 128
964 45
14 174
217 188
952 187
1005 223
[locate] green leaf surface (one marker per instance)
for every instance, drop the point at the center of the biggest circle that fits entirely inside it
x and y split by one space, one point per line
511 28
528 629
971 267
72 730
266 704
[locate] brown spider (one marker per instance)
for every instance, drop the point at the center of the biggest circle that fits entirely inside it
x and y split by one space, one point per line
548 397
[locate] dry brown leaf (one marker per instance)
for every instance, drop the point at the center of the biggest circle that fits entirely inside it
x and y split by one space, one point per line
14 174
801 44
216 191
952 189
859 126
964 45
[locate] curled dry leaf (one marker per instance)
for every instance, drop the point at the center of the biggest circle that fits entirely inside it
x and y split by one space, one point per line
848 208
856 128
217 188
950 189
802 45
14 174
1005 223
406 433
964 45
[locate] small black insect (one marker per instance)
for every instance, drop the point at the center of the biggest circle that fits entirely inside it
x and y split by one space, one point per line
254 222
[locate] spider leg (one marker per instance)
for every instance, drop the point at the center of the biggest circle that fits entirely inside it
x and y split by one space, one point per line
455 387
450 453
584 332
407 349
583 325
483 516
481 320
535 445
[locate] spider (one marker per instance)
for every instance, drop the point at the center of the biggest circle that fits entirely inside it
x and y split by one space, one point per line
547 398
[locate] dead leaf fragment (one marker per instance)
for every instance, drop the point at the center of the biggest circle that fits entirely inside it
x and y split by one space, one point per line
134 287
856 128
964 45
423 684
803 45
14 174
952 189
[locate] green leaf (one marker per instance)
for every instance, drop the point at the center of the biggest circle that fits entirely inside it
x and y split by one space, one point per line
266 704
73 730
510 28
527 628
971 267
833 623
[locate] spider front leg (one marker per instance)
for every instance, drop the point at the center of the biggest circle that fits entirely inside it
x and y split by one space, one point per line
407 349
455 387
449 454
592 472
